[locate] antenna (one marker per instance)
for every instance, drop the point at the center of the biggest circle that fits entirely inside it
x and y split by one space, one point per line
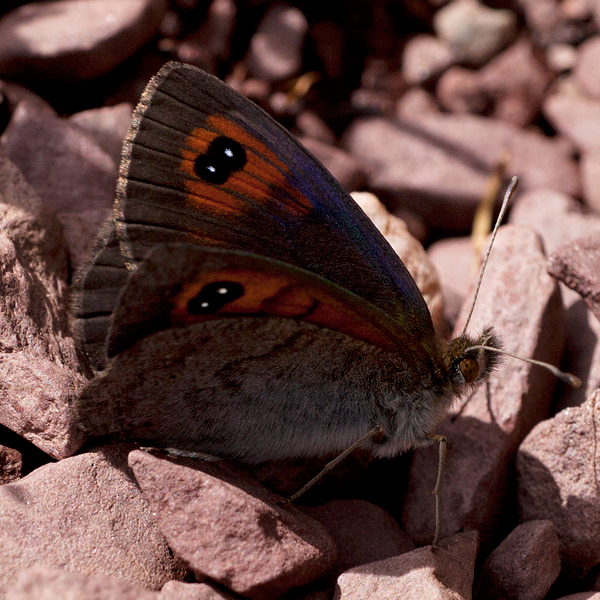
566 377
510 190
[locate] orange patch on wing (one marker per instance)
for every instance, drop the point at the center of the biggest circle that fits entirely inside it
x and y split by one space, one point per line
275 294
256 183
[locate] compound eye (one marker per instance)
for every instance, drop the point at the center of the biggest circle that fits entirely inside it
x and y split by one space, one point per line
469 368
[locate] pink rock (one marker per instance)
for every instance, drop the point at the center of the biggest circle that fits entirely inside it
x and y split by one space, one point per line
577 265
582 596
71 40
590 178
40 370
86 515
577 117
560 220
586 70
524 565
425 57
67 167
177 590
62 163
438 165
276 46
409 250
363 532
509 88
229 528
446 573
11 463
44 583
107 125
342 165
557 480
522 302
457 265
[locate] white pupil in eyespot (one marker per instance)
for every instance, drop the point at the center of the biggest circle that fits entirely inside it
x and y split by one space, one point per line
211 168
204 305
222 291
228 152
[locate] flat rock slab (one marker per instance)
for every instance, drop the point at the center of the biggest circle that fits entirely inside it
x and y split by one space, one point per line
86 515
446 574
557 474
71 40
523 304
438 165
227 527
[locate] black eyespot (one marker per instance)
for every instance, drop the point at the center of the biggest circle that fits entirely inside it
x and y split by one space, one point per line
214 296
223 157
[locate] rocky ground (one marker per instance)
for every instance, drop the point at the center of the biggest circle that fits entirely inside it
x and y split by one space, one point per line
420 103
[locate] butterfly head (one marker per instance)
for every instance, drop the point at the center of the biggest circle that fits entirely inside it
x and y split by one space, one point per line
471 360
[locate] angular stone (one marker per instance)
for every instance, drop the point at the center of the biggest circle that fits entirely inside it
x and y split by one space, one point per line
363 532
523 304
560 219
445 574
577 265
229 528
438 165
86 515
71 41
40 370
410 251
524 566
557 480
474 32
276 47
590 178
44 583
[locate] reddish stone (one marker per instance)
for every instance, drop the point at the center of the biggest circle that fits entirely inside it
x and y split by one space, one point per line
446 573
83 514
524 566
229 528
363 533
577 265
557 480
438 165
70 40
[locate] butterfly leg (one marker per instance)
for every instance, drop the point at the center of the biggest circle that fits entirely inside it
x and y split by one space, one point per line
441 440
331 464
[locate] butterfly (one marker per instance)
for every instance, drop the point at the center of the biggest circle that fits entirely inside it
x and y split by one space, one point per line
240 303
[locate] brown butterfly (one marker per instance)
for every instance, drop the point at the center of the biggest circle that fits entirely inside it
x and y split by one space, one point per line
241 304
